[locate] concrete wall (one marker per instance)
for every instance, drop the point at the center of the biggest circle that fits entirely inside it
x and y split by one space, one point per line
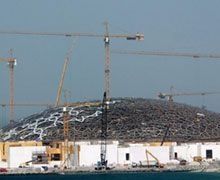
186 151
19 155
89 155
138 153
4 147
215 151
121 156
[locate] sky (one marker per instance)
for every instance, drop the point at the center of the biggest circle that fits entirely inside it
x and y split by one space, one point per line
171 25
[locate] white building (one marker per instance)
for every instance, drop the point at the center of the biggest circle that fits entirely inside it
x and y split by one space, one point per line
207 151
18 156
88 153
117 154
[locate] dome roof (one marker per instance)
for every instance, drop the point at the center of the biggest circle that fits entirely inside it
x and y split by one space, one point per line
129 119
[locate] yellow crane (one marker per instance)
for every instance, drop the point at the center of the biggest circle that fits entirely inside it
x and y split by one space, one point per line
52 104
66 154
158 164
60 87
106 36
66 62
11 64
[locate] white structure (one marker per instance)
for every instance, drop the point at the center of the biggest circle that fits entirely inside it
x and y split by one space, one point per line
123 155
89 154
208 151
186 152
20 155
126 154
160 152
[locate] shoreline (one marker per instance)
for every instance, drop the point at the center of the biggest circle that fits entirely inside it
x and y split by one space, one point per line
80 171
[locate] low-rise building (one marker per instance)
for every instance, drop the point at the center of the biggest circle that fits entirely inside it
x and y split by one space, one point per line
87 153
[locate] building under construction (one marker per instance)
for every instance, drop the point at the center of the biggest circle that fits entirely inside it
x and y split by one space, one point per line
135 126
121 131
129 119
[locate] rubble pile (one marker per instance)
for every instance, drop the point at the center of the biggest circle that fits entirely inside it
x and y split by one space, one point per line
129 119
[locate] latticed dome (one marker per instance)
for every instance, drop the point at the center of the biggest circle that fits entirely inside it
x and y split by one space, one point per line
129 119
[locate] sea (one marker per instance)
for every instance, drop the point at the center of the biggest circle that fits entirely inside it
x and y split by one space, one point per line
120 176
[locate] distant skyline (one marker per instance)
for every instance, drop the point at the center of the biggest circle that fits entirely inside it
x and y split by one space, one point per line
174 26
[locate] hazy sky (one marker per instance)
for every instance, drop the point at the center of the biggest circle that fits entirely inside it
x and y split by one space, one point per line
171 25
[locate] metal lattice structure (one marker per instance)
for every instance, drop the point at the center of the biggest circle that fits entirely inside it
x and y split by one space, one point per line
130 119
104 127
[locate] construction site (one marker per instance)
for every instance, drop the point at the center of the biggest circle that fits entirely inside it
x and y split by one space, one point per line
76 136
112 133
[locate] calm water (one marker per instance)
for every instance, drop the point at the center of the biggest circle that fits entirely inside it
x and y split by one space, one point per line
122 176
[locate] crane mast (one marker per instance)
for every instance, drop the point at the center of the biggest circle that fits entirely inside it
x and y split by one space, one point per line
104 132
107 62
11 64
66 138
11 67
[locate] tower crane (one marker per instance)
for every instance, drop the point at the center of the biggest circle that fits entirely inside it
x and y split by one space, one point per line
106 37
170 54
164 53
11 64
171 95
